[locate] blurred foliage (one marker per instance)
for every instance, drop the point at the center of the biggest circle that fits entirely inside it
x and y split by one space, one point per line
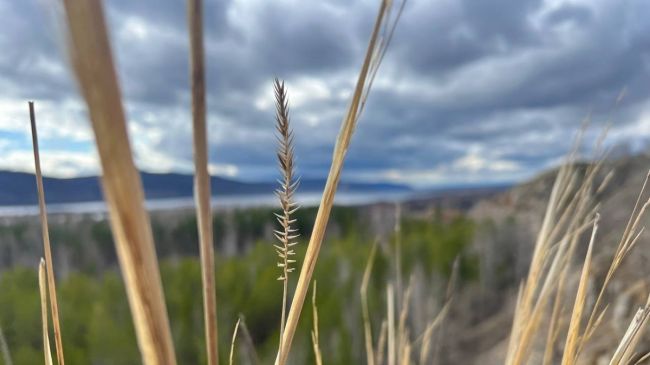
435 244
95 316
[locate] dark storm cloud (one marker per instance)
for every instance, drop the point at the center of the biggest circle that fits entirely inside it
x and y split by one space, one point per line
468 89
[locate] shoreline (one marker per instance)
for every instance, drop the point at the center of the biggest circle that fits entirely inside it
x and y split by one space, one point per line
219 203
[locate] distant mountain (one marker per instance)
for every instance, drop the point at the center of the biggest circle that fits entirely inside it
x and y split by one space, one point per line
18 188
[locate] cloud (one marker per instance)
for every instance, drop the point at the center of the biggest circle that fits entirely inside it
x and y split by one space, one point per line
54 163
469 91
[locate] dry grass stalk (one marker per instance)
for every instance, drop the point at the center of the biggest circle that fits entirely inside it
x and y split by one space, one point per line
42 285
248 341
231 357
642 359
568 209
343 141
288 186
403 336
390 307
93 64
4 349
625 349
554 328
398 253
439 321
566 217
515 329
405 358
381 343
573 336
526 317
202 193
425 347
54 303
628 240
365 312
315 339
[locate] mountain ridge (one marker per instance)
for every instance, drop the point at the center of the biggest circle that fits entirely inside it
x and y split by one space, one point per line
19 188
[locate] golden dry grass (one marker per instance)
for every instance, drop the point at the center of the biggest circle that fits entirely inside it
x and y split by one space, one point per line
231 356
202 193
47 248
42 284
315 338
570 210
365 312
92 60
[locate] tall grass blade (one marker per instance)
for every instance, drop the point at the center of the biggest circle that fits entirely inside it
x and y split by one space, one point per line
54 303
232 342
425 347
365 312
327 200
315 338
248 340
42 285
202 193
403 340
399 289
93 64
381 343
573 336
390 307
631 337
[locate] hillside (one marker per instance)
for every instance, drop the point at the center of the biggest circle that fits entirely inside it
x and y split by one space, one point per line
508 224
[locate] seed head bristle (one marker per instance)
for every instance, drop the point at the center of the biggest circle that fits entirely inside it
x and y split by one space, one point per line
287 182
286 235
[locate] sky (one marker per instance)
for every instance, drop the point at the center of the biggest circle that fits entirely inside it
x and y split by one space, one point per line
470 92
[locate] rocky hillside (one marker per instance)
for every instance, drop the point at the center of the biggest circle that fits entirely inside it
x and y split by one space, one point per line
509 222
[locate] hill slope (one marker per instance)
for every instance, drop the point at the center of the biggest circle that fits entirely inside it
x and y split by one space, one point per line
509 223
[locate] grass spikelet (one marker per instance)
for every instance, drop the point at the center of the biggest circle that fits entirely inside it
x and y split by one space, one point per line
375 49
42 285
47 248
202 192
288 185
92 59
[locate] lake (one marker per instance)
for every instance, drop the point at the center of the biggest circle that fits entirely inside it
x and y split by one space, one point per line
219 202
